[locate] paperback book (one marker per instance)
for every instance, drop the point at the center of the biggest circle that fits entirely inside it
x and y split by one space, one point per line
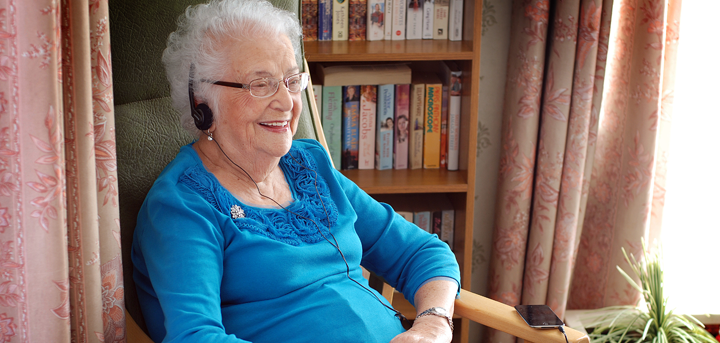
440 21
332 117
398 19
340 20
433 103
385 126
357 19
428 15
375 19
452 76
350 128
310 20
402 126
413 20
417 118
325 19
388 16
455 21
368 112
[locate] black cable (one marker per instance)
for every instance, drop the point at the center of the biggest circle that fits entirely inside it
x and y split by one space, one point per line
336 245
563 332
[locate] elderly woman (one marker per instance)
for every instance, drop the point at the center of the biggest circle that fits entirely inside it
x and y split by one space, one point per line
250 236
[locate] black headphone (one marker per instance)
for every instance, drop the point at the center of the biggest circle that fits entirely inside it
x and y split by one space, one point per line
201 113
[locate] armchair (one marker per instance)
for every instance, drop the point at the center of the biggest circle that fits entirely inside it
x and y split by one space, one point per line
148 137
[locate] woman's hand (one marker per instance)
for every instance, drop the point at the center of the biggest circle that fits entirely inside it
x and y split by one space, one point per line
428 329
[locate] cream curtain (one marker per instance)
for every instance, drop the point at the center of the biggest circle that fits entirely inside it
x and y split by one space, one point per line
583 150
61 271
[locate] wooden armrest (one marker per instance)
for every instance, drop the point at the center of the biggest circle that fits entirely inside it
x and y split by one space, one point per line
504 318
133 331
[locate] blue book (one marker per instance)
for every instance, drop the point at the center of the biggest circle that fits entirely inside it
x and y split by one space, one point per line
332 121
325 19
351 125
385 125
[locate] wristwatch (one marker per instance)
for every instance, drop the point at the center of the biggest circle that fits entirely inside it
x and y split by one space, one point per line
440 312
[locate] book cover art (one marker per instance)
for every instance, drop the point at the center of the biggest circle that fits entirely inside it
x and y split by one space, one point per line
428 16
413 20
388 19
351 127
402 126
385 127
444 126
340 20
332 118
433 103
357 19
455 21
398 19
452 76
440 21
368 112
417 126
375 19
310 20
325 19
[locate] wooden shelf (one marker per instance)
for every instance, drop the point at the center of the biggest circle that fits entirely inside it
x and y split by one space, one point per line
374 51
406 181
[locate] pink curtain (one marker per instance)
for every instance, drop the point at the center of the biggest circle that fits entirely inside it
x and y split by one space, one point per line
60 266
583 149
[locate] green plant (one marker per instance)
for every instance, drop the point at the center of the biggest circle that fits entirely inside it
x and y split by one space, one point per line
655 323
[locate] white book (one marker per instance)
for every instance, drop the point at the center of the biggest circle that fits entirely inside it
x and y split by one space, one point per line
384 128
376 20
398 20
414 19
455 22
428 15
368 111
447 233
340 20
440 22
388 19
317 92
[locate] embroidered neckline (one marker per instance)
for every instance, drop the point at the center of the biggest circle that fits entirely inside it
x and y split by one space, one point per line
276 224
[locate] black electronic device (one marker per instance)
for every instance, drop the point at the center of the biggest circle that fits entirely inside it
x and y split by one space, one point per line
539 316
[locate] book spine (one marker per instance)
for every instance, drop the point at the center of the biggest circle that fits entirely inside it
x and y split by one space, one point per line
388 16
310 20
440 21
402 124
431 148
428 15
436 224
455 22
317 93
454 120
384 127
422 220
375 19
407 215
368 111
357 19
447 231
350 126
325 19
413 21
444 127
340 20
417 131
398 21
332 121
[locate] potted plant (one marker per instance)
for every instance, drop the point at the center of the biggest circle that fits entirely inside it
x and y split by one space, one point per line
655 322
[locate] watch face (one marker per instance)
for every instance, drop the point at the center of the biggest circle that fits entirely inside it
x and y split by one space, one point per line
441 311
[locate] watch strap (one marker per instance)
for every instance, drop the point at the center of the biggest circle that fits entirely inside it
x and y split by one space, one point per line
440 312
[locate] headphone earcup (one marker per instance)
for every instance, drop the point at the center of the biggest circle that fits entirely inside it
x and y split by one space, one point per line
203 116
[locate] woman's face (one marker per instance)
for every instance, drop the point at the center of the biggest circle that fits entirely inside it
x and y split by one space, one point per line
258 125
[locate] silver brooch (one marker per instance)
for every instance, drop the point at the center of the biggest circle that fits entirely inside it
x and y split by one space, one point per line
237 212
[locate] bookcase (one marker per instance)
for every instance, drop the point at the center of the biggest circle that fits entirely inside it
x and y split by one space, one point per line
425 185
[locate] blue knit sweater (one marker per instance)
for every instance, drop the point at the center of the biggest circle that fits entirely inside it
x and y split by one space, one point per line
209 268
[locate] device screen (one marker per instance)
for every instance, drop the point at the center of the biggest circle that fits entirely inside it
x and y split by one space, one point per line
539 316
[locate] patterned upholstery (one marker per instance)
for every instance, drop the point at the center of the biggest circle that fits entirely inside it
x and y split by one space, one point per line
148 130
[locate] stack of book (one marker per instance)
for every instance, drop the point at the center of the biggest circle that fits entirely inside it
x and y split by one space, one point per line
382 19
384 116
436 217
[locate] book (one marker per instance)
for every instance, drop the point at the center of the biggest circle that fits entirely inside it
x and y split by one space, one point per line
368 112
398 19
417 128
317 93
452 76
340 20
422 220
325 19
428 15
402 125
433 103
455 20
440 21
364 74
332 118
413 20
350 126
357 19
407 215
388 19
444 125
436 222
375 19
384 127
447 230
310 20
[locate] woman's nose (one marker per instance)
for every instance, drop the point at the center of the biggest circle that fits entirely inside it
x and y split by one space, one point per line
282 99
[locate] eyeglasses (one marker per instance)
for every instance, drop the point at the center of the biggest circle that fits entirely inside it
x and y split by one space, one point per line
267 86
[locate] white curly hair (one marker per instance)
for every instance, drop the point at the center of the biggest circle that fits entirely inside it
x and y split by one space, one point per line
198 41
